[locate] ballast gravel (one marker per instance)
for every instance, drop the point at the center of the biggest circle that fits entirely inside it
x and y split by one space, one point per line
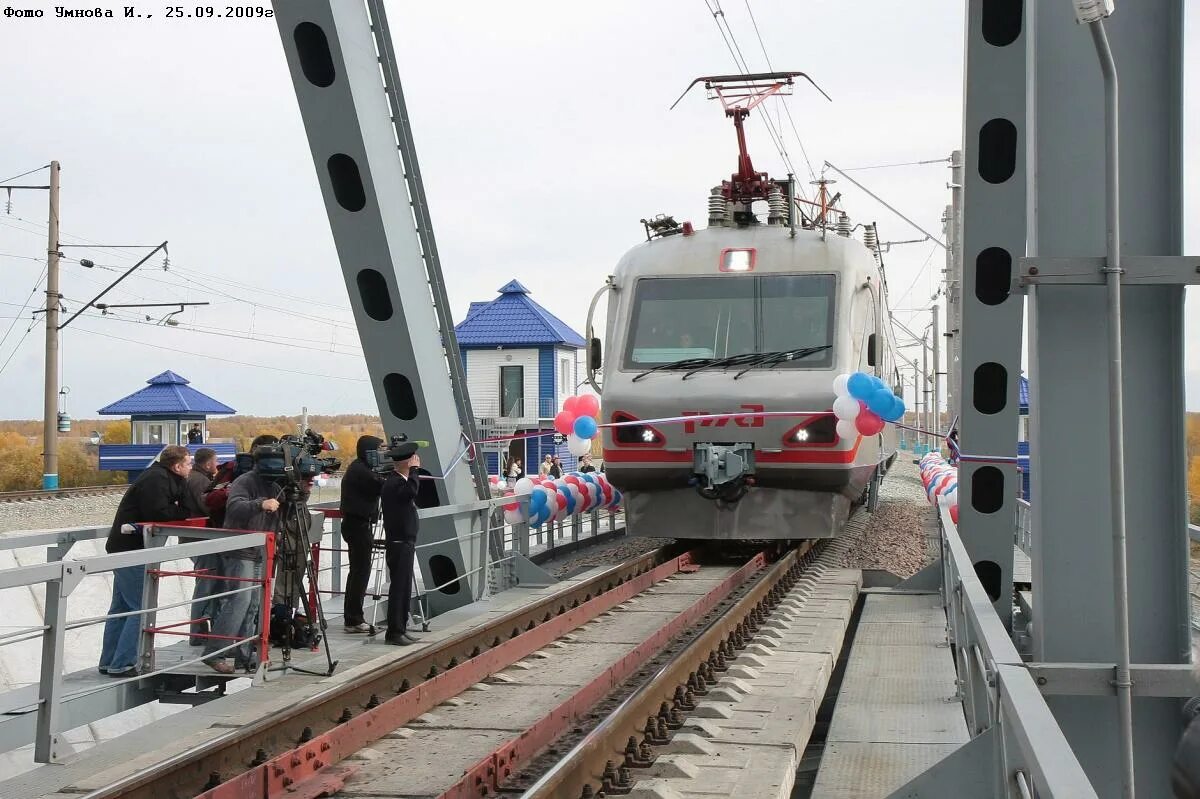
894 538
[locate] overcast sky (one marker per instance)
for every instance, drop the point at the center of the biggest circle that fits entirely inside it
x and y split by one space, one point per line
543 133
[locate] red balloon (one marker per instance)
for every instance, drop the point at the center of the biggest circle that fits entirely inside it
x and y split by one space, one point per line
569 406
587 405
868 423
573 480
512 506
562 501
954 513
564 422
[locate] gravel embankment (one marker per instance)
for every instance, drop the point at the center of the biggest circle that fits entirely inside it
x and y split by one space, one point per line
53 514
894 538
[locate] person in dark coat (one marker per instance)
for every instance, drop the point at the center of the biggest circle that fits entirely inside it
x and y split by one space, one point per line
360 510
400 524
204 469
158 495
195 435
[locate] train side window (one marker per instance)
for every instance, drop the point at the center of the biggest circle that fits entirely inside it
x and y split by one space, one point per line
871 350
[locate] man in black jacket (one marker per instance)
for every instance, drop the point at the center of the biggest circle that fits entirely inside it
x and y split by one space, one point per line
360 509
400 525
158 495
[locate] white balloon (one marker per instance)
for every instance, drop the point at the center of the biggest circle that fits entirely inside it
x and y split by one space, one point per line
846 407
523 486
840 386
513 517
578 446
846 429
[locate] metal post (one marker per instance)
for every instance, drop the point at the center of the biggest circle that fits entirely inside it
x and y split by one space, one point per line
937 371
993 239
954 288
1077 438
927 413
148 620
53 297
50 684
1116 417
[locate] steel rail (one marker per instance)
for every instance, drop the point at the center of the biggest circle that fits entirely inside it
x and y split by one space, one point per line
265 757
607 756
60 493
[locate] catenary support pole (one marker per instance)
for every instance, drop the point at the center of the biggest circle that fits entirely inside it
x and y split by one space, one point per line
936 408
53 298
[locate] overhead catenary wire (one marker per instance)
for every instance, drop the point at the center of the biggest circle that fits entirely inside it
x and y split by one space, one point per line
891 166
36 284
260 366
800 142
739 61
23 174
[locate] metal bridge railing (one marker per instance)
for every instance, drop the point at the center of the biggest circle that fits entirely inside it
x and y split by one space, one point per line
1025 527
53 708
1025 750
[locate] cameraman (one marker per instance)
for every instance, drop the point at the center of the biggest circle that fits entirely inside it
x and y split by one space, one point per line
400 525
360 509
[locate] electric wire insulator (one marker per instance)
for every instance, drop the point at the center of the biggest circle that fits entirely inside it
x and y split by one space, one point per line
716 208
777 205
843 224
870 239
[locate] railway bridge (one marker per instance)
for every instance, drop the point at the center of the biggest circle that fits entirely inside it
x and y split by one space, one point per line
1045 650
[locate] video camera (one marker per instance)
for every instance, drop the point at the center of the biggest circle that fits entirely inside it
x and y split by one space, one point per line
380 460
296 458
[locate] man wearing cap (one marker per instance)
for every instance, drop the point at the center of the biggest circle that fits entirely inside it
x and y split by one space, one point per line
400 524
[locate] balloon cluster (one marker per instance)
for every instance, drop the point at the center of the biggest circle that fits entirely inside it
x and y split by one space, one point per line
551 500
577 421
940 480
864 403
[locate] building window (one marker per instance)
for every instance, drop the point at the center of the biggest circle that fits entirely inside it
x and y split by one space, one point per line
512 391
160 433
565 380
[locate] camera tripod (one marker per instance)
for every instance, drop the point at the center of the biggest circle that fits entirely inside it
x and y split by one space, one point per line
289 557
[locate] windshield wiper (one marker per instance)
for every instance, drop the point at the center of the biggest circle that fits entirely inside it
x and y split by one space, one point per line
684 363
724 363
772 358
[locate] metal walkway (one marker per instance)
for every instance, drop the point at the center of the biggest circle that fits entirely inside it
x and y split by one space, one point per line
897 712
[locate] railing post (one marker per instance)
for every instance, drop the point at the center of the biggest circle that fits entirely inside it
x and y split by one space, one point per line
576 527
336 575
46 740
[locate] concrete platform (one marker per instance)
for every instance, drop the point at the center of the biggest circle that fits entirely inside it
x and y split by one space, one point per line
896 714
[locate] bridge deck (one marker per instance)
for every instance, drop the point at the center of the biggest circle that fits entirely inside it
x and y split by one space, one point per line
896 714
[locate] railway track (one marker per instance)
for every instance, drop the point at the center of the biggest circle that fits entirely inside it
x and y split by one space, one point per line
491 709
543 677
60 493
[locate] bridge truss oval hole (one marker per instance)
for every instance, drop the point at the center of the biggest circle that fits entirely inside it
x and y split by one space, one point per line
997 150
993 275
347 182
312 47
1002 21
989 392
401 400
987 489
445 574
373 291
989 574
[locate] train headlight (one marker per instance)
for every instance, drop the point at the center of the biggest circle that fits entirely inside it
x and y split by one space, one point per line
628 434
813 431
738 260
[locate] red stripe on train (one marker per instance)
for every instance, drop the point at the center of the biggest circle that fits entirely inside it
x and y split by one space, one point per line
806 456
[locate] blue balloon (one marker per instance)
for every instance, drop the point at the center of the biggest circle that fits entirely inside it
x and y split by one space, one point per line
585 427
875 381
570 499
880 402
537 500
898 409
860 387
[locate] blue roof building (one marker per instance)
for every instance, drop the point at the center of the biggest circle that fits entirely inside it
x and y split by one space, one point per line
521 362
165 412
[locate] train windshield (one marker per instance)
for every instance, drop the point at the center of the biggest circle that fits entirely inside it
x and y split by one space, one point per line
684 319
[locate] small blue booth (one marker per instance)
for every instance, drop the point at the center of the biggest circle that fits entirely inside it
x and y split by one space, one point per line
162 414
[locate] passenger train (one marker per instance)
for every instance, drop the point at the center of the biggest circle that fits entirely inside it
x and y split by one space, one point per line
732 336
